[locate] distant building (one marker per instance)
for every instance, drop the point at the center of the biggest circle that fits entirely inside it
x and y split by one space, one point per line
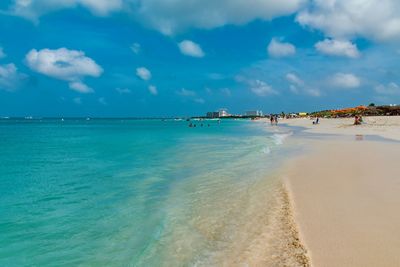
213 114
223 112
255 113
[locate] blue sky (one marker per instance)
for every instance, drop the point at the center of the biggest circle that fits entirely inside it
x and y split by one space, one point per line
170 58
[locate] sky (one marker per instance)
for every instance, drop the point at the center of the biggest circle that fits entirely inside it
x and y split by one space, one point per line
150 58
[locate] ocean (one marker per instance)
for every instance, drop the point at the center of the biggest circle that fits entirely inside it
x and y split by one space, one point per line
114 192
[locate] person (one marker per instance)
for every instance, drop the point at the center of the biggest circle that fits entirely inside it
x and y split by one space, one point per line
272 119
357 120
276 119
316 121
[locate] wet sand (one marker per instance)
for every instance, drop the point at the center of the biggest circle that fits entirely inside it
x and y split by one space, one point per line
346 194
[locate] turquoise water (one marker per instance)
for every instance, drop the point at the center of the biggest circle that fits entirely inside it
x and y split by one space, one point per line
131 192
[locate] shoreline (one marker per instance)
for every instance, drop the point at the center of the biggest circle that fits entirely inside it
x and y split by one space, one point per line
344 192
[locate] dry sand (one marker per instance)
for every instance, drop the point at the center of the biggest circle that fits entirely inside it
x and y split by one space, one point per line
346 194
384 126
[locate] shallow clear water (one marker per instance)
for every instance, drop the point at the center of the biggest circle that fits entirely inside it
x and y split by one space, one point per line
131 192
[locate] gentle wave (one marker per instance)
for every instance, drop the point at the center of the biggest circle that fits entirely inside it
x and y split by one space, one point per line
280 138
140 193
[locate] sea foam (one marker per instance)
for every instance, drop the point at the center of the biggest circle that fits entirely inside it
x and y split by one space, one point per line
281 137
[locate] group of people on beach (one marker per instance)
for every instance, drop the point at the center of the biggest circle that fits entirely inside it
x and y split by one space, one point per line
274 119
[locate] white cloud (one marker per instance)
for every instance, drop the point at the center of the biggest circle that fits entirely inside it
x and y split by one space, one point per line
226 91
136 48
294 79
298 86
294 89
143 73
32 9
190 48
345 80
191 95
64 64
199 100
261 88
312 92
2 54
185 92
337 48
375 19
390 89
77 100
170 17
123 90
102 101
216 76
80 87
280 49
153 90
9 77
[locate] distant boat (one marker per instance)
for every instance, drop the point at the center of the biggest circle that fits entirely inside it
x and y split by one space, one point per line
62 119
29 118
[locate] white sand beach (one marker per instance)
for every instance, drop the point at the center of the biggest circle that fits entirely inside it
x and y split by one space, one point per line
384 126
346 193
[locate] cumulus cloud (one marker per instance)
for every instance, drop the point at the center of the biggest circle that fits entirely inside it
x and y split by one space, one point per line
143 73
345 80
191 49
2 54
216 76
170 17
298 86
9 77
66 65
136 47
294 79
185 92
80 87
33 9
337 48
191 95
294 89
261 88
199 100
312 92
226 91
102 101
390 89
123 90
77 100
280 49
153 90
375 19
